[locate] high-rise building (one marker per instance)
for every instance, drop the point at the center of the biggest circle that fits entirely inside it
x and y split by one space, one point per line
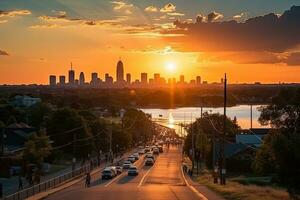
81 79
62 80
71 76
108 79
94 78
222 80
128 78
144 78
156 78
181 79
52 80
198 80
120 72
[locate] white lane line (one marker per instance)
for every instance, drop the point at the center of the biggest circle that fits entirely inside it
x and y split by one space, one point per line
141 182
201 196
113 180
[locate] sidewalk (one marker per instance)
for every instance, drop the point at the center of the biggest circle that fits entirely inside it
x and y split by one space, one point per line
76 180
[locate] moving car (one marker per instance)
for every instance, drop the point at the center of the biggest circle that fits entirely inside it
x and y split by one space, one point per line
131 159
133 171
141 151
119 169
161 150
150 155
136 156
149 161
108 173
127 164
155 150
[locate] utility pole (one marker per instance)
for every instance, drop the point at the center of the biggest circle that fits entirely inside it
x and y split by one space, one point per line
110 141
222 147
74 151
251 116
193 144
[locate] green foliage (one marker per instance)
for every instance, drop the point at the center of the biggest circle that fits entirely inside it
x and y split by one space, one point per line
204 129
281 149
37 148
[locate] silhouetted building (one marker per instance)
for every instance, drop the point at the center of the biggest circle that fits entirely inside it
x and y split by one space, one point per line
94 78
144 78
76 82
108 79
120 72
156 78
71 76
198 80
181 79
62 80
52 80
222 80
128 78
81 79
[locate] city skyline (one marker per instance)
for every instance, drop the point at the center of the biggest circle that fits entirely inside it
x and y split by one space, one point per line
121 81
149 35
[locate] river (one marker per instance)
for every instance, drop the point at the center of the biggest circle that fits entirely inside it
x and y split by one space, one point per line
173 117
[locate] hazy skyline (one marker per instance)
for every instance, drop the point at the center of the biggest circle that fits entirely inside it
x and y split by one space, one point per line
39 38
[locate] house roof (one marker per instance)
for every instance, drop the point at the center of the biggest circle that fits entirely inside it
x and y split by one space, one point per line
20 125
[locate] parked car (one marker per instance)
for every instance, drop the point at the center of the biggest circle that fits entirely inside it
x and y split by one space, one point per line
127 164
133 171
108 173
149 161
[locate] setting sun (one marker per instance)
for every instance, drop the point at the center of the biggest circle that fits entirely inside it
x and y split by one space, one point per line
171 67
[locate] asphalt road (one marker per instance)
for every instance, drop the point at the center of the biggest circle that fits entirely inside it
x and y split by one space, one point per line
163 181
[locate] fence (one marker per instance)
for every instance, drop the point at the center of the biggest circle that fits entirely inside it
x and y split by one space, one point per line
52 183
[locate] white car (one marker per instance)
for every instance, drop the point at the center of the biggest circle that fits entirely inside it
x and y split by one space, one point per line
127 164
131 159
136 156
133 171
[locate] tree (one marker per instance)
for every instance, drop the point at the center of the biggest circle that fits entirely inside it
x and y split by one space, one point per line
37 148
282 146
204 130
66 126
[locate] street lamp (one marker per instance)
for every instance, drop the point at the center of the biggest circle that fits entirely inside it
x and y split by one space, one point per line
122 112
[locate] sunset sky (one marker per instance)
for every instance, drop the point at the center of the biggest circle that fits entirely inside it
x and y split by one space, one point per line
42 37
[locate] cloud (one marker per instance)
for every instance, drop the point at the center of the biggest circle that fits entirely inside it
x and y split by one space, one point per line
151 9
14 13
3 21
175 14
264 33
122 6
3 53
168 8
293 59
239 16
214 16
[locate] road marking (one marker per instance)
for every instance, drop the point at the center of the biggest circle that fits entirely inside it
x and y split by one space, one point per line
113 180
201 196
141 182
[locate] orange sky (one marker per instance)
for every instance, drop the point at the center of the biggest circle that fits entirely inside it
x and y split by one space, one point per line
39 44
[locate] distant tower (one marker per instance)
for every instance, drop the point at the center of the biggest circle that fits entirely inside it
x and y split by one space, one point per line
128 78
94 80
144 78
52 80
198 80
120 72
71 76
181 79
81 79
62 80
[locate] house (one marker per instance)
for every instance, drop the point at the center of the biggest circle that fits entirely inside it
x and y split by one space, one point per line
252 137
16 135
24 101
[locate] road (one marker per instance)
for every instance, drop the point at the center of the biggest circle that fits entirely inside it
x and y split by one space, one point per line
163 181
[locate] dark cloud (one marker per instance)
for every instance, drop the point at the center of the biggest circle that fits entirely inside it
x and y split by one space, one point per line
213 16
271 33
3 53
293 59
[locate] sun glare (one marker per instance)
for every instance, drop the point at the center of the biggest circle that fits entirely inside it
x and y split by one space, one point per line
171 67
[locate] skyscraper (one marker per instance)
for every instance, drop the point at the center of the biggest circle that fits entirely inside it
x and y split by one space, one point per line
94 78
156 78
181 79
71 76
128 78
52 80
144 78
81 79
198 80
120 72
62 80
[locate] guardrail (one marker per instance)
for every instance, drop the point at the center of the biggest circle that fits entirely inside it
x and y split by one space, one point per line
51 183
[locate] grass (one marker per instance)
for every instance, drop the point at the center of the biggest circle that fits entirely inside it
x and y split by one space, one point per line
235 189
